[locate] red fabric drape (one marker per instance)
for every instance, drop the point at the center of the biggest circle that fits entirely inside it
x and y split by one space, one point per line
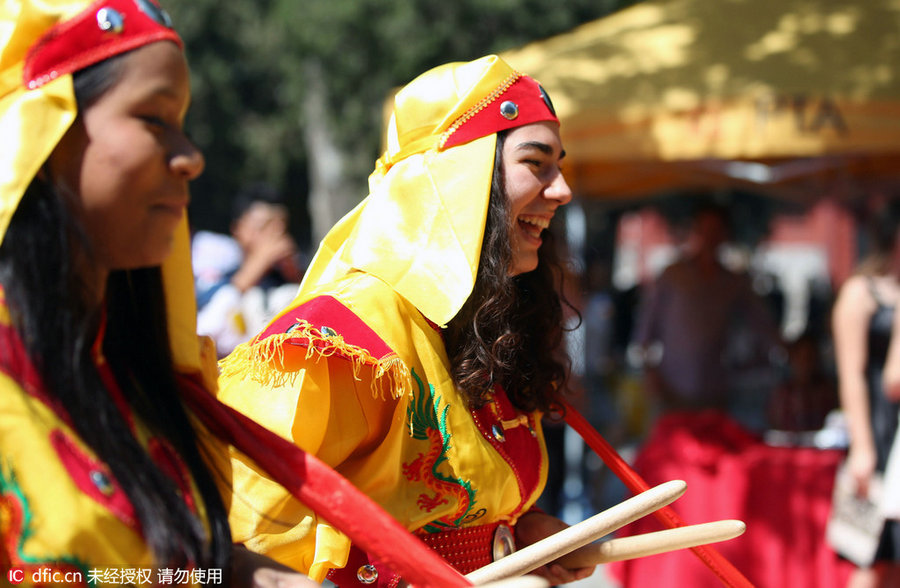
720 566
782 493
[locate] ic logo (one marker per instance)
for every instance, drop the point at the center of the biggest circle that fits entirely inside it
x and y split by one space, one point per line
16 575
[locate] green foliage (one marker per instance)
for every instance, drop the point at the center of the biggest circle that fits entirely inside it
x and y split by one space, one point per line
248 59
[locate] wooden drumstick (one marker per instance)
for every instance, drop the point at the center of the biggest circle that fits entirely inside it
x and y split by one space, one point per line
652 543
544 551
520 582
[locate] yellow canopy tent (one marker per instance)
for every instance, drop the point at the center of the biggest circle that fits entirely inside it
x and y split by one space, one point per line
777 94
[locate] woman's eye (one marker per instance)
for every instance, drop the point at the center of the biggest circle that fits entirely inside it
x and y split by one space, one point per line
155 121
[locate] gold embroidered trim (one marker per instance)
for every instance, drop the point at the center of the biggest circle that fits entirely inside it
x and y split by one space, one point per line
263 361
482 104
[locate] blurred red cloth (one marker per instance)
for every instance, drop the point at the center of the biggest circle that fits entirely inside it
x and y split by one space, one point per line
782 493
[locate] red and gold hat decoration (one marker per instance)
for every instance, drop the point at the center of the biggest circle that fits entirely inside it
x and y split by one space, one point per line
104 29
518 101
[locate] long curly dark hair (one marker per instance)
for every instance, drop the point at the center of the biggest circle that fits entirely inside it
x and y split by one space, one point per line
510 329
43 261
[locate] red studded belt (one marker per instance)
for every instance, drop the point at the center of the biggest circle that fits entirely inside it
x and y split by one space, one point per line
466 549
470 548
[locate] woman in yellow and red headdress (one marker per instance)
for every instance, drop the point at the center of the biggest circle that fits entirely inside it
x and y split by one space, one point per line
424 343
111 441
100 466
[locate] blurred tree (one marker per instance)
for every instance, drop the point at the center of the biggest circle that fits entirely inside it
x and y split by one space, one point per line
292 92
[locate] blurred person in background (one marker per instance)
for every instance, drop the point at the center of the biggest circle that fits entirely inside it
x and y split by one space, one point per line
890 503
244 279
690 321
690 317
862 321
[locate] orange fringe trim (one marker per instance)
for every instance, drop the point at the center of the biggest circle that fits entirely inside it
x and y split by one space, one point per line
263 361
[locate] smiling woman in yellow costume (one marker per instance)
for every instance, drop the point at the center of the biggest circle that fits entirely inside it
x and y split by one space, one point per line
423 345
104 474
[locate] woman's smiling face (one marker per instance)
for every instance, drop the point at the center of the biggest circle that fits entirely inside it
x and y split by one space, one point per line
126 162
535 187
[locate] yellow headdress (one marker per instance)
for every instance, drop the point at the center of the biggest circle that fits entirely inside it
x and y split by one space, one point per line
420 229
42 42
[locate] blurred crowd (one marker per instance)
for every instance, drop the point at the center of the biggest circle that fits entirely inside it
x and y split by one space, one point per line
697 360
